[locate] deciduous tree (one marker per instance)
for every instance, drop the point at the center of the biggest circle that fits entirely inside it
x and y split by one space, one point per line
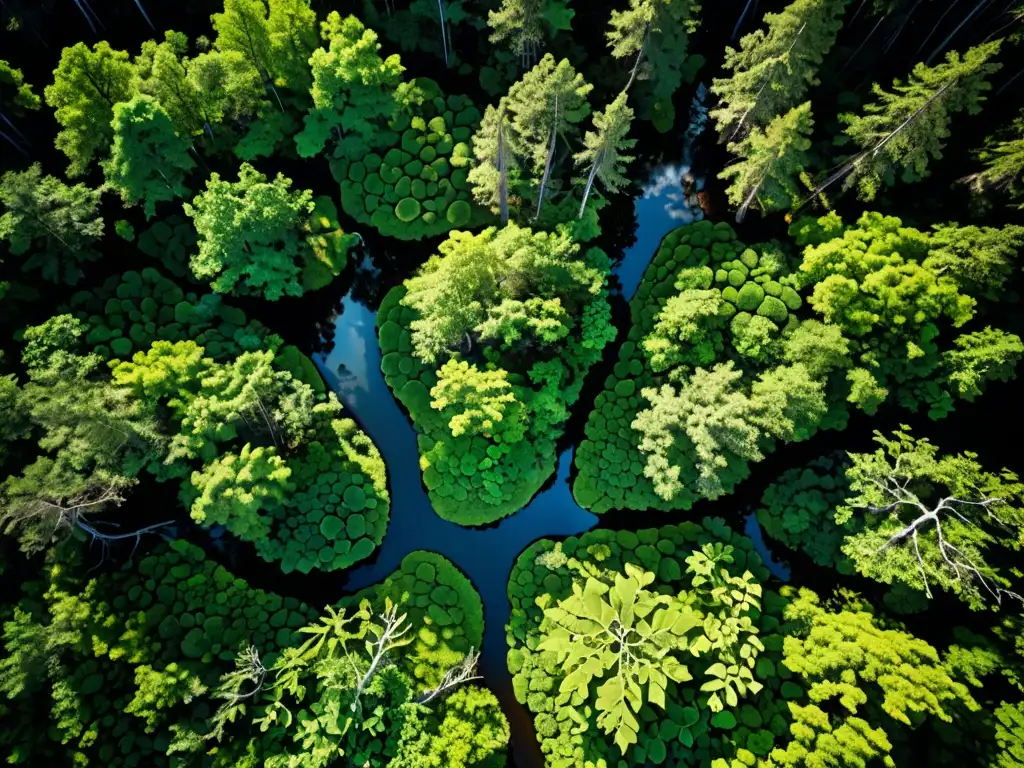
148 161
478 402
87 84
251 234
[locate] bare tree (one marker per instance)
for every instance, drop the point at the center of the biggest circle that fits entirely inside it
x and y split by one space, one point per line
391 634
461 673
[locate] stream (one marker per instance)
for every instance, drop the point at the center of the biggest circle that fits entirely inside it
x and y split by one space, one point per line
486 555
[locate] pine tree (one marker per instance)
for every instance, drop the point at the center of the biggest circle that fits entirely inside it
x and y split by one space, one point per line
148 161
87 84
771 161
54 223
250 234
774 68
353 89
523 24
903 129
653 35
603 156
1003 159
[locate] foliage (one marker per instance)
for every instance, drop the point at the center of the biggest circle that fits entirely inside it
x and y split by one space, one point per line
604 155
773 68
1003 161
421 165
86 86
451 339
251 235
902 130
653 36
721 646
55 224
148 160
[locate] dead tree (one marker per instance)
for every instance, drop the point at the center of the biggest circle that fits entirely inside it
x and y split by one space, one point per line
463 672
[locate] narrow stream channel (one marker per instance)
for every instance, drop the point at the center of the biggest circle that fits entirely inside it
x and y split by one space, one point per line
486 555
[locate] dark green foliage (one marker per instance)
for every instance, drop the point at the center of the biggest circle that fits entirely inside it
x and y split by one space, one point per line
408 188
686 729
129 312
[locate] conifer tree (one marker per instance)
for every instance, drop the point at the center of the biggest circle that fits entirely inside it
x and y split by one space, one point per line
523 24
148 161
17 97
774 67
604 155
653 35
902 130
56 225
353 89
87 84
771 161
1003 159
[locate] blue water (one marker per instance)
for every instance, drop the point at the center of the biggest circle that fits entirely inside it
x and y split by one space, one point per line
486 555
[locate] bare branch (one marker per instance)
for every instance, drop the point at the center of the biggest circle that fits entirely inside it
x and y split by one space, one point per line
461 673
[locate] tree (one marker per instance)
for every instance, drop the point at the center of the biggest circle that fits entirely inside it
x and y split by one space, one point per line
496 170
771 161
625 637
226 87
980 259
653 35
979 357
87 84
478 402
460 295
853 672
353 89
148 161
547 102
470 731
234 489
605 147
774 68
687 331
1003 159
276 42
250 234
55 223
931 520
902 129
523 24
18 97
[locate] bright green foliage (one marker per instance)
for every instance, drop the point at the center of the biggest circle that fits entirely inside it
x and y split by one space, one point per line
148 161
477 402
166 372
128 312
625 636
353 89
771 161
604 154
902 130
276 42
687 601
234 489
854 669
251 235
926 519
55 224
86 86
988 354
1009 730
653 36
359 686
1003 159
112 670
417 186
454 332
980 259
773 68
18 95
456 293
550 96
